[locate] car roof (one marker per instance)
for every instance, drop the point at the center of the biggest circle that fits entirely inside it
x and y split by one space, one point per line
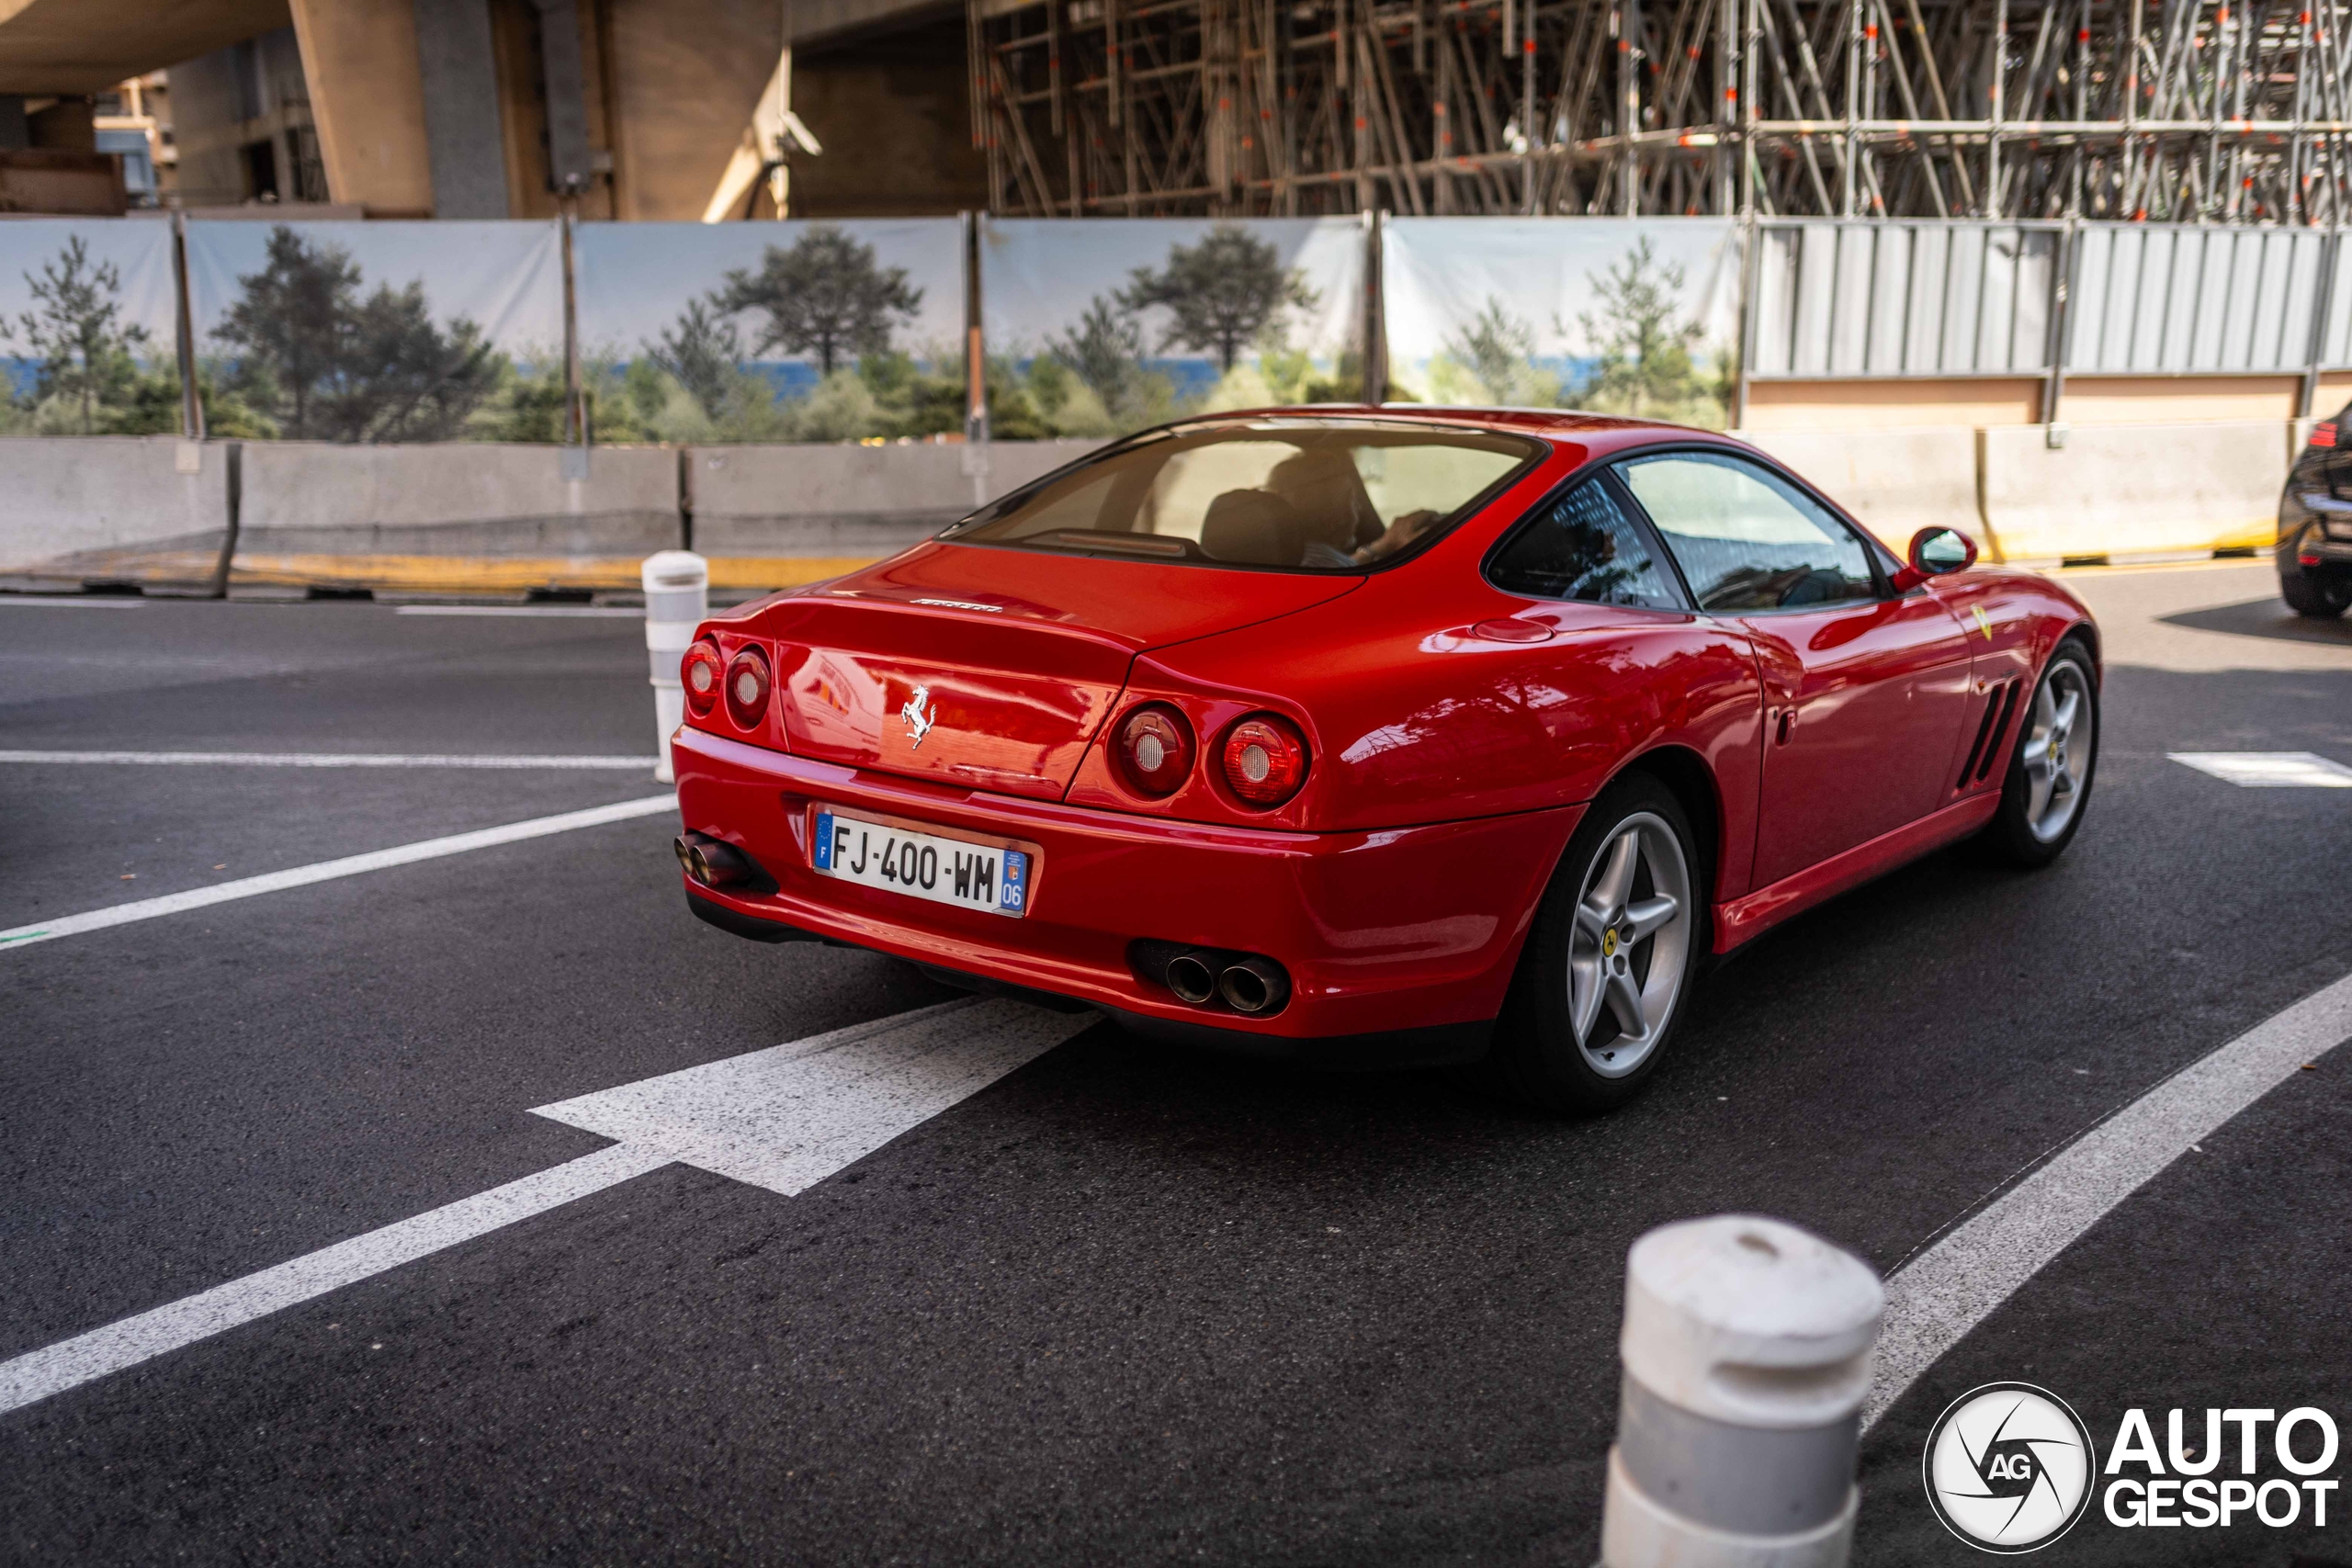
1601 431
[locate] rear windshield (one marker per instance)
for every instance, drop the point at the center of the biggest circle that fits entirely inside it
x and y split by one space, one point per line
1280 494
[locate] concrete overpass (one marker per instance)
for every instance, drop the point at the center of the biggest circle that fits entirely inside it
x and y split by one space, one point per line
631 109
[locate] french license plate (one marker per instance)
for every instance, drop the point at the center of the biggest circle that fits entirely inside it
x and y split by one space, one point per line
969 873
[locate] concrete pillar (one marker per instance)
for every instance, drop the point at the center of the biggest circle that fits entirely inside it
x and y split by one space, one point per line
685 76
464 132
367 100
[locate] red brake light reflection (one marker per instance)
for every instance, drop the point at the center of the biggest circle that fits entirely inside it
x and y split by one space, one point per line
1265 759
747 688
2324 434
1154 746
700 674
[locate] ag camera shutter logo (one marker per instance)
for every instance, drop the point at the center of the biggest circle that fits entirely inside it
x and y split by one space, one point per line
2009 1468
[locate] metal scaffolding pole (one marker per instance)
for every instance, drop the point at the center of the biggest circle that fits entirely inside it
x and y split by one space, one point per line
2180 111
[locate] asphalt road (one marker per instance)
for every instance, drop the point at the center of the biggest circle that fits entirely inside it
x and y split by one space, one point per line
1128 1303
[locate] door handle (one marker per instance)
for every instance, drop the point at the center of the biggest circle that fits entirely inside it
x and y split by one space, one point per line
1783 724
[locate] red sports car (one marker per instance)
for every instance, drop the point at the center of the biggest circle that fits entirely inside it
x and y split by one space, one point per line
1377 735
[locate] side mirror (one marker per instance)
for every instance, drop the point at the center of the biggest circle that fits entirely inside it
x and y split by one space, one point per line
1935 552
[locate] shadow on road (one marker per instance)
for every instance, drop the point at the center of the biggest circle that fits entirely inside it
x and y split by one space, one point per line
2267 618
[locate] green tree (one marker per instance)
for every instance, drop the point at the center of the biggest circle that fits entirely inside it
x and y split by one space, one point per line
701 351
1105 351
826 296
336 365
1498 349
1224 292
88 356
1646 366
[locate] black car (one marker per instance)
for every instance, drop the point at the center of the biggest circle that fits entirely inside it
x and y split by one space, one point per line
2314 552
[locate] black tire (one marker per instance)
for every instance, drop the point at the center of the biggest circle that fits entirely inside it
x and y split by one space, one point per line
2021 834
1537 1060
2312 597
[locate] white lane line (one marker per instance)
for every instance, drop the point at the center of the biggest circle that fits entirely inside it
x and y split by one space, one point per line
69 601
545 612
2268 770
87 1357
327 759
327 870
788 1116
1936 1299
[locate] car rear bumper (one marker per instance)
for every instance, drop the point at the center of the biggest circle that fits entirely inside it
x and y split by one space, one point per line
1407 936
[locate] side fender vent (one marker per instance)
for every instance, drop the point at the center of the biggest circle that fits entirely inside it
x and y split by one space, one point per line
1989 730
2000 728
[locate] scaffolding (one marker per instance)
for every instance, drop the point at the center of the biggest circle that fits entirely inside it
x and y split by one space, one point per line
2167 110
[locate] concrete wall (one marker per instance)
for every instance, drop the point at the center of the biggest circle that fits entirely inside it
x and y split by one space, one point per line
1893 481
847 501
150 510
2115 491
1970 401
2134 489
462 498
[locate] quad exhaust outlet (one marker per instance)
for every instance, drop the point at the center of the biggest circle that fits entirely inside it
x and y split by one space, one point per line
1245 983
716 864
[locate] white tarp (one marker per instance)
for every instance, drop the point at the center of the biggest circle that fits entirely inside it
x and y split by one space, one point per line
1136 319
379 332
794 331
1618 315
88 328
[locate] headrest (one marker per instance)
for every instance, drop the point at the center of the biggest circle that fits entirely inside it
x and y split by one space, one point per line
1323 484
1253 527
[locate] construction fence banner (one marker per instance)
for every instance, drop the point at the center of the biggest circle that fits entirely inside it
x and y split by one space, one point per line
379 332
89 328
1632 316
1096 327
711 334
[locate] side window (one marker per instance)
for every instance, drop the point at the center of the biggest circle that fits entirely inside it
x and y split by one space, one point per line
1745 538
1584 546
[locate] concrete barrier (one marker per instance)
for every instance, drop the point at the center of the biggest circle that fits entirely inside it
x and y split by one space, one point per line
104 510
2133 490
773 517
1893 481
460 517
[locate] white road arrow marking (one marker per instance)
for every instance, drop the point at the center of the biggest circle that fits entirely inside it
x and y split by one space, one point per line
784 1118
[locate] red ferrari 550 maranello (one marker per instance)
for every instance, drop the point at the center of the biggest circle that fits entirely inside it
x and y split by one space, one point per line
1377 735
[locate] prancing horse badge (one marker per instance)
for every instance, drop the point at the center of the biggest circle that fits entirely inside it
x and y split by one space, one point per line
918 721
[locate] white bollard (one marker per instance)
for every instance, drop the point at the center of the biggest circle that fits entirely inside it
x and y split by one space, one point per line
677 598
1747 1354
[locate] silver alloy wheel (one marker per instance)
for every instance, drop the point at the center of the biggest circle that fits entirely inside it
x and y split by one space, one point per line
2060 740
1628 947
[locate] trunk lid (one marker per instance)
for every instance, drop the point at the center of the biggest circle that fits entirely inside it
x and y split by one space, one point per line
991 668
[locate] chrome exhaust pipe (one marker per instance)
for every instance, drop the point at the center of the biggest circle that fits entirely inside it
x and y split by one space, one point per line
1190 976
1254 985
714 863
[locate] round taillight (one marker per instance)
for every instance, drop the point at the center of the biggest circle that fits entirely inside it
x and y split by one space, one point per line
1265 759
700 673
1154 746
747 688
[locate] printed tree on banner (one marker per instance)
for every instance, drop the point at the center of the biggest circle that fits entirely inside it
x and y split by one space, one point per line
88 358
1105 351
1498 348
701 351
1645 360
827 297
344 368
1223 292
